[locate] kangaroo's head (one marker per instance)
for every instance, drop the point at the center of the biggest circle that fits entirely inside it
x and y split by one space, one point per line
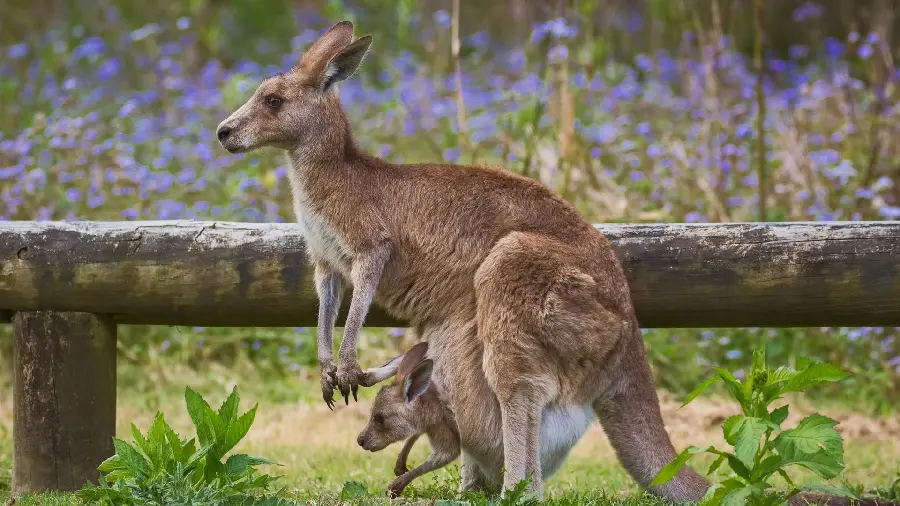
299 108
400 409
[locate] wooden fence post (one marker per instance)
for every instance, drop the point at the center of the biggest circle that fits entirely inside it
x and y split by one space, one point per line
64 400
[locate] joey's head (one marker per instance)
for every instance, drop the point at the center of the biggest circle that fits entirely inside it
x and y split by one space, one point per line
401 409
299 108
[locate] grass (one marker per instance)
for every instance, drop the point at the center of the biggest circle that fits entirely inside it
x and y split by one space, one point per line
318 453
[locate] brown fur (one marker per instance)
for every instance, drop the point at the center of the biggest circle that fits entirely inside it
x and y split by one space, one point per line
528 296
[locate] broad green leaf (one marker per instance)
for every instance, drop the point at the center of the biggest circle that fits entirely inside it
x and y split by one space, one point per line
213 470
141 443
174 446
205 420
769 465
716 464
779 415
236 432
734 387
187 450
737 497
229 408
737 466
816 374
787 479
671 469
700 388
131 459
156 437
813 444
237 464
119 475
825 465
111 464
197 457
744 433
728 428
812 433
713 495
781 374
206 434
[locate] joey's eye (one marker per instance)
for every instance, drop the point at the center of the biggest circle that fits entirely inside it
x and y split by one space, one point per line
273 101
378 419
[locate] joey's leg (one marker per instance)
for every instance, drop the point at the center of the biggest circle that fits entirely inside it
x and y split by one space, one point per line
400 467
436 460
328 290
365 274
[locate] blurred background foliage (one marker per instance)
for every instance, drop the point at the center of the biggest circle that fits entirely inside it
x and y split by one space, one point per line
634 110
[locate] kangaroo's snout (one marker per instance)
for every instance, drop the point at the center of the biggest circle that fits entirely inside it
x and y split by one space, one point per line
223 133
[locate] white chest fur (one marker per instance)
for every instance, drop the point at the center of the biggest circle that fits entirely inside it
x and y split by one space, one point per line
323 241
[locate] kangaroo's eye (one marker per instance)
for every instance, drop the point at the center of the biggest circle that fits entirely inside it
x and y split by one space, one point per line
379 419
273 101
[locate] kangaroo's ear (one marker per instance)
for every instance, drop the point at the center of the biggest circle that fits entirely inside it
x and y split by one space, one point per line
327 45
418 380
378 374
345 63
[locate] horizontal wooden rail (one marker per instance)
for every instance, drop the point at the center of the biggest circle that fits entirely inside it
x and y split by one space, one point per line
65 286
245 274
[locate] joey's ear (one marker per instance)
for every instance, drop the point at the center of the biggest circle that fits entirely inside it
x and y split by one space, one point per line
411 359
378 374
345 63
418 380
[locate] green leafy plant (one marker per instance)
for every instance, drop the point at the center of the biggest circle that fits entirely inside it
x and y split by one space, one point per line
762 448
159 467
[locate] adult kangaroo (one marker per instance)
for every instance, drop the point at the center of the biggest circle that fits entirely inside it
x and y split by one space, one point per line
466 254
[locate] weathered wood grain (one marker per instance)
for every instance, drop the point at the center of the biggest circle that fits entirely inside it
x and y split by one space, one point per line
244 274
64 396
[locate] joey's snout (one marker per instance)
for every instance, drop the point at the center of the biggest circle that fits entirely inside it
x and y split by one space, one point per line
371 441
363 441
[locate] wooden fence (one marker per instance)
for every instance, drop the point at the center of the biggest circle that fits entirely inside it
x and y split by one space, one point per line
66 285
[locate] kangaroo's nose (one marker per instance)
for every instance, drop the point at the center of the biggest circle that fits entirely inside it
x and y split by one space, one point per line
360 440
223 133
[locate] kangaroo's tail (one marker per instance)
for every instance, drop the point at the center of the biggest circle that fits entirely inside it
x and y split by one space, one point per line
629 413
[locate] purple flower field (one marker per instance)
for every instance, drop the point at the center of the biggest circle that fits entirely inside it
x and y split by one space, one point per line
119 125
